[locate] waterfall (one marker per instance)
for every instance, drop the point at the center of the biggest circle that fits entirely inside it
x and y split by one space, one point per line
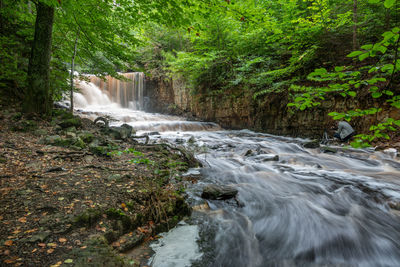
127 94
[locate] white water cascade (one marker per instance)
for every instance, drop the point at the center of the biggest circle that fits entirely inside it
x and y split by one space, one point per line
127 93
306 207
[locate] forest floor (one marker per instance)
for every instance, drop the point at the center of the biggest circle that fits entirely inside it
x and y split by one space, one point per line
72 204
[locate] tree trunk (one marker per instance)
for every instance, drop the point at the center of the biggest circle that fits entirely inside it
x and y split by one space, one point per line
355 41
72 74
37 96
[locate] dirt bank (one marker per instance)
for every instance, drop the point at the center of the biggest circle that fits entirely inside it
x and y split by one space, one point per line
68 197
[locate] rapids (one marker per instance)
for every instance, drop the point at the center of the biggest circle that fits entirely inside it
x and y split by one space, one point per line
309 208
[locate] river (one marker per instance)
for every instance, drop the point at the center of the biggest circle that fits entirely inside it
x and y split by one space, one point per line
304 208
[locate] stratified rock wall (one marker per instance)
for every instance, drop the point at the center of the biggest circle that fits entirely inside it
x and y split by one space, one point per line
269 113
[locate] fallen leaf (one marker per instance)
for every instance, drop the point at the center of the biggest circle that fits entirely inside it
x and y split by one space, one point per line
34 250
52 245
57 264
42 245
123 205
16 232
69 261
8 243
62 239
49 251
22 219
6 252
83 247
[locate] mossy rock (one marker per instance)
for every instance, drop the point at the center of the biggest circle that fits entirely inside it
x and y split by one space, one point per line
24 126
99 150
17 116
79 143
97 253
71 129
72 122
119 215
86 137
40 132
88 217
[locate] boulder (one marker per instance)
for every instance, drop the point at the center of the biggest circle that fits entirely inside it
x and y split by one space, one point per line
218 192
312 144
327 149
270 157
121 133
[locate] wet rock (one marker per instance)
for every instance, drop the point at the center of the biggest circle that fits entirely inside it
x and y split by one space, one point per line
249 153
312 144
327 149
218 192
179 141
121 133
153 133
191 140
270 157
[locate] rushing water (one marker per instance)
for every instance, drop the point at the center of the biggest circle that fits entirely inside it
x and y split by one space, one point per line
309 208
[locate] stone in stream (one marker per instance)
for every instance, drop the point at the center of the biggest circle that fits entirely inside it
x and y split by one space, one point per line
327 149
312 144
218 192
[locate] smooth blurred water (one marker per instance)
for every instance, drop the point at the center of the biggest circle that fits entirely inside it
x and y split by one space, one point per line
309 208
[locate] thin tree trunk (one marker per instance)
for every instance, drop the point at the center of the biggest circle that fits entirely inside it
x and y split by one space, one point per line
72 73
37 96
355 41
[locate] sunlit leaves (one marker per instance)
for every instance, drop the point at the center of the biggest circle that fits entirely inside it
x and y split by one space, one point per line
389 3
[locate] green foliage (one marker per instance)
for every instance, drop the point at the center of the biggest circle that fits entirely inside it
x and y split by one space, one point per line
378 80
139 157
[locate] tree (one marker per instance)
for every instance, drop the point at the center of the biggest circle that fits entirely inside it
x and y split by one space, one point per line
37 96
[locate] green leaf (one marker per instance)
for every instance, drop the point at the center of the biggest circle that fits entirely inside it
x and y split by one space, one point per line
338 69
373 1
389 3
355 53
367 47
69 261
397 122
387 92
396 30
376 94
363 56
352 93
